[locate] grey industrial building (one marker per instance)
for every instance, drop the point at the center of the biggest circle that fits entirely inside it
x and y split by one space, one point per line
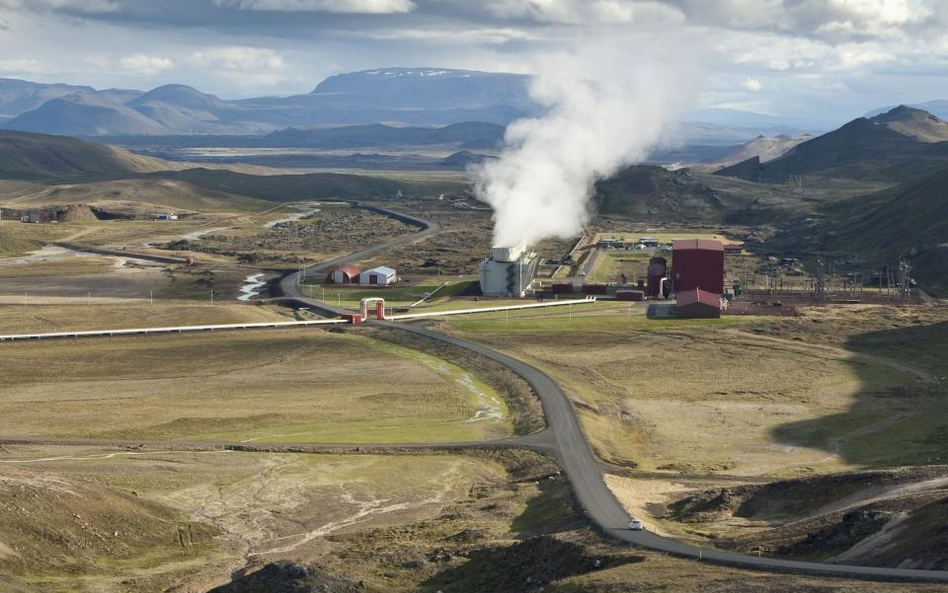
509 271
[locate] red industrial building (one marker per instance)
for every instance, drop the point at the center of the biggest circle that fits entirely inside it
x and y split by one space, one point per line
347 274
698 263
697 304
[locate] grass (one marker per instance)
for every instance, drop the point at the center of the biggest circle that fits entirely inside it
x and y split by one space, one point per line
54 318
612 264
300 385
402 294
656 394
664 236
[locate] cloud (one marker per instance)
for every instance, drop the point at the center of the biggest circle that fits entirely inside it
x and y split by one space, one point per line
22 66
340 6
142 64
83 6
752 84
242 66
577 12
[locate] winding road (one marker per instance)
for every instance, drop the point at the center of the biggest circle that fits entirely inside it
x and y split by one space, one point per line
563 438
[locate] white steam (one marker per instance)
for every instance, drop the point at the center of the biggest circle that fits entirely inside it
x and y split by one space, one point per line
606 108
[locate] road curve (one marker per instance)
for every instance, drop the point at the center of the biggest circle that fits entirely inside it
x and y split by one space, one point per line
289 285
564 438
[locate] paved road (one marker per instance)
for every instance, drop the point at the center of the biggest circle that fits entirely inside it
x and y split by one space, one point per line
289 285
564 439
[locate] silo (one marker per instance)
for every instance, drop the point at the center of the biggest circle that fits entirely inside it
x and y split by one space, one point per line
657 268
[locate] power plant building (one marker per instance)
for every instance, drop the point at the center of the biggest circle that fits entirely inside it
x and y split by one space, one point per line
697 304
698 263
509 271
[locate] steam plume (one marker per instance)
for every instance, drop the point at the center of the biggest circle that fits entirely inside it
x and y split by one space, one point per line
606 107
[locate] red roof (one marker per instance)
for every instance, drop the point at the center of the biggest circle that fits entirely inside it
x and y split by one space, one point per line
691 297
701 244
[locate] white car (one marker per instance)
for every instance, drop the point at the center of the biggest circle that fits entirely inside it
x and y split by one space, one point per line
636 525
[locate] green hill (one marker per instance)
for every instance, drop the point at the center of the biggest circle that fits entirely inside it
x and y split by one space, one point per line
910 219
900 145
645 192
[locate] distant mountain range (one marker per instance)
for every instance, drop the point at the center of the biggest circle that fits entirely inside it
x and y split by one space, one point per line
395 96
420 96
899 145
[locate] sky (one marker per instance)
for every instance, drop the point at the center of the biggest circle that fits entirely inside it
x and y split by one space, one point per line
825 60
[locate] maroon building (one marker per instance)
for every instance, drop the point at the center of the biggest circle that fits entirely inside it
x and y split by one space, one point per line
697 304
698 263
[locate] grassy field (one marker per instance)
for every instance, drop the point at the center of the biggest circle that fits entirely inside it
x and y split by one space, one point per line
402 294
16 318
613 264
139 521
656 395
664 236
303 385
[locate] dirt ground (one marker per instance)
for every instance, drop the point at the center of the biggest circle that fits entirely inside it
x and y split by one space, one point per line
184 521
292 385
314 232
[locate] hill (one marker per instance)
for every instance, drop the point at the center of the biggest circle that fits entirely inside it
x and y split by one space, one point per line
766 149
910 219
914 123
938 108
408 96
468 135
24 155
85 114
290 188
426 88
645 192
900 145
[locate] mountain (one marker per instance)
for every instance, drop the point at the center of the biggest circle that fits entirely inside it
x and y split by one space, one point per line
736 118
426 88
938 108
910 219
85 114
646 192
766 149
405 96
899 145
25 155
19 96
478 135
915 123
186 110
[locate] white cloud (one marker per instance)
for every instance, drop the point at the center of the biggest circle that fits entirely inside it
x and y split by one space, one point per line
579 12
87 6
340 6
752 84
242 66
22 66
142 64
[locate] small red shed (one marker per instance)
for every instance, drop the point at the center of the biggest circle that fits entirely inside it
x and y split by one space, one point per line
698 304
347 274
698 263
